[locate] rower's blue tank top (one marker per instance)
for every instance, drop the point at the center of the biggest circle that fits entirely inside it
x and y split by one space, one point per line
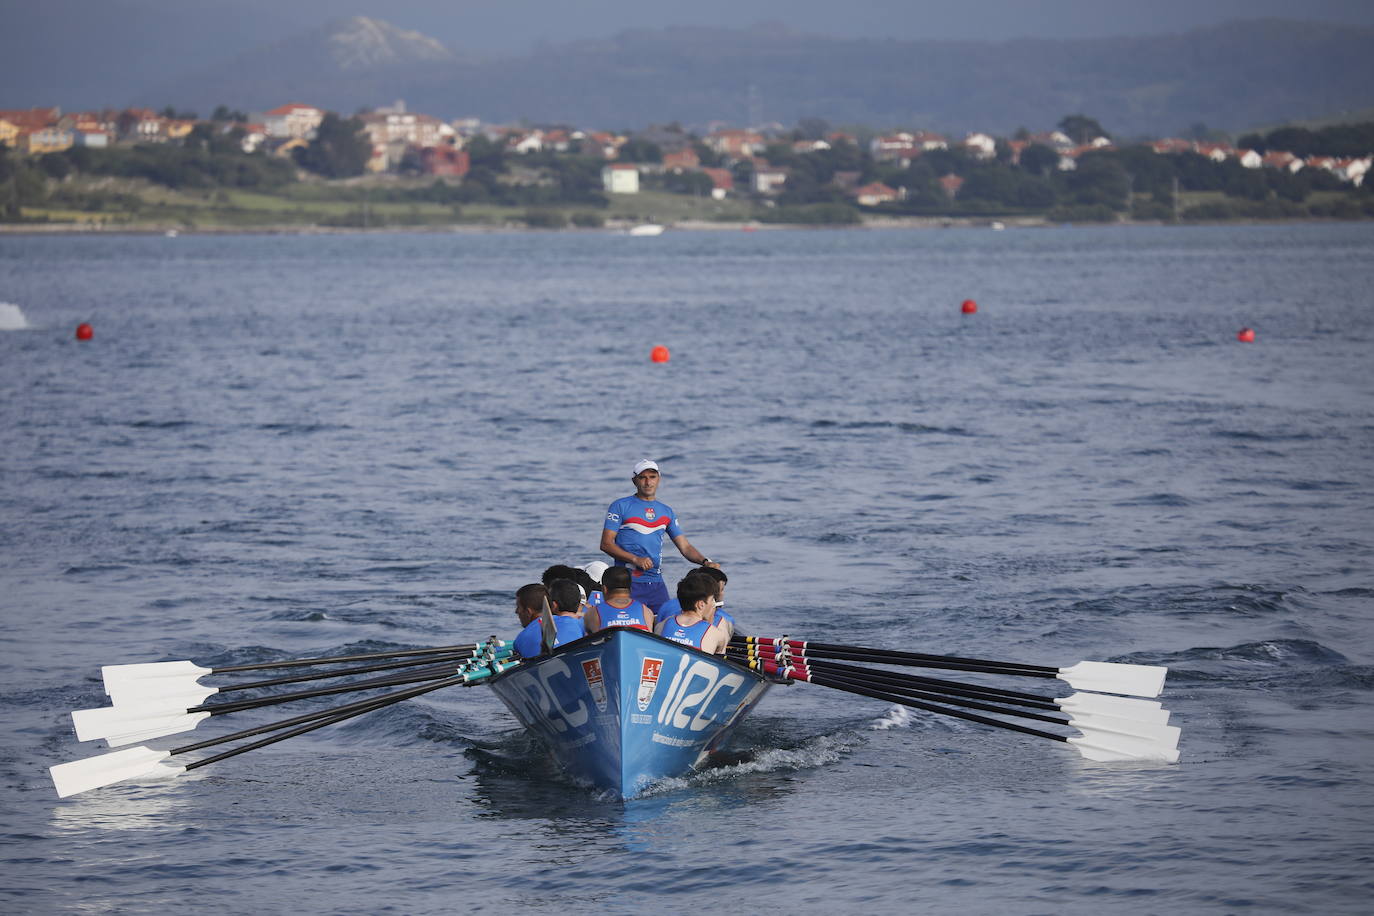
530 641
632 616
687 636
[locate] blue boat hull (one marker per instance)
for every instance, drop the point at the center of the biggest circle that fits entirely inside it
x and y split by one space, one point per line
621 709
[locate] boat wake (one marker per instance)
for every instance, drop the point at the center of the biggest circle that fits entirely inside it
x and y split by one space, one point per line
12 318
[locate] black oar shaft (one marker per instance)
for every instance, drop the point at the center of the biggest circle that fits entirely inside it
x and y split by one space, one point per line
321 723
359 705
343 672
296 662
918 663
956 688
914 656
823 681
942 698
424 674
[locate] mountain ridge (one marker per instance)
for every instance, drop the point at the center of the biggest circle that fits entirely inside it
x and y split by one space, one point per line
1232 76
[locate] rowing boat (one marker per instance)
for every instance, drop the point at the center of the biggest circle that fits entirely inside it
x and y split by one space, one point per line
622 709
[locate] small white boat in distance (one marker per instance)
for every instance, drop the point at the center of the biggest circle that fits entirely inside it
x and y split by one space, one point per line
998 225
647 229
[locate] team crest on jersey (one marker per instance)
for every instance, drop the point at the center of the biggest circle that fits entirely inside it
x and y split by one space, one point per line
649 513
648 681
591 670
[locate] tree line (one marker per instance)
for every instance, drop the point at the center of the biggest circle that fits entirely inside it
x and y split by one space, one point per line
1107 184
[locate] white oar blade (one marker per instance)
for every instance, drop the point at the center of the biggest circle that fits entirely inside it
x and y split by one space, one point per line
174 696
118 676
1121 707
94 772
111 722
1163 735
1108 747
1112 677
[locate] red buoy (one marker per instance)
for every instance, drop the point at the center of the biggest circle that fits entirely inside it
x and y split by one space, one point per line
660 354
1246 335
969 307
84 331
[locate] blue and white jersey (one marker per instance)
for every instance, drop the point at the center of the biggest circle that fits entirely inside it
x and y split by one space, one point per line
636 615
530 641
687 636
672 606
639 526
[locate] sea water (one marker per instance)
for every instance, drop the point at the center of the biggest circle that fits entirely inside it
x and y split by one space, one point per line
292 445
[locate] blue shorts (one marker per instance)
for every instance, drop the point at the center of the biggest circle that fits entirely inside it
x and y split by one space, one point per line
652 593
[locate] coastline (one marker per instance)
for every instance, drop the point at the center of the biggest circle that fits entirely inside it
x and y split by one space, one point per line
617 227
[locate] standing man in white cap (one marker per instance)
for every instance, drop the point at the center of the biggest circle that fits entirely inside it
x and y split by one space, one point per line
633 536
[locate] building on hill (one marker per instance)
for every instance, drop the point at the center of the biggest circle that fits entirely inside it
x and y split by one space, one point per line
444 160
951 184
292 121
684 160
722 182
875 193
769 179
620 178
735 144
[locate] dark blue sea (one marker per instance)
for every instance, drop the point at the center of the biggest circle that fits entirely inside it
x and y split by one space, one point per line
297 445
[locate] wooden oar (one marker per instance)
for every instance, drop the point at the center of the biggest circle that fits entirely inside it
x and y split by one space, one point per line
132 722
1107 677
1123 707
143 762
123 678
1096 743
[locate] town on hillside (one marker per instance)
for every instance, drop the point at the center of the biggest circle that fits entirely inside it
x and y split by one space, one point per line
811 173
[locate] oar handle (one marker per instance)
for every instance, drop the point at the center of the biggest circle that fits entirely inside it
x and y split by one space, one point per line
398 653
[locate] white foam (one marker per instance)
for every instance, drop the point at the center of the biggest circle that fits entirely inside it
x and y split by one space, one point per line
896 717
12 318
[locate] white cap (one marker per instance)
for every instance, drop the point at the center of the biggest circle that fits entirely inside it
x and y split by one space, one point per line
645 464
594 569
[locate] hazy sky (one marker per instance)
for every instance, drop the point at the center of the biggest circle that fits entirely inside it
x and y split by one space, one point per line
514 25
98 52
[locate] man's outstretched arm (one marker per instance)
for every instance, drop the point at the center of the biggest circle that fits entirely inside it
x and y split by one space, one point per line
691 554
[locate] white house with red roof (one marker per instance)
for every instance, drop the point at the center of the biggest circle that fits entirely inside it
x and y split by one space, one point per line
293 121
722 182
870 195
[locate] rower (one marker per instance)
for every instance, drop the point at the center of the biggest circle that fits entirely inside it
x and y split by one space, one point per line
692 625
617 608
565 600
529 602
718 581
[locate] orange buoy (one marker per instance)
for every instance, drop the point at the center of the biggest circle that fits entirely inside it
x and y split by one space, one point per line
660 354
1246 335
84 331
969 307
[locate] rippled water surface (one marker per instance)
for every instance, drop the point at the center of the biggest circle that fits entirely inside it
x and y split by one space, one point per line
292 445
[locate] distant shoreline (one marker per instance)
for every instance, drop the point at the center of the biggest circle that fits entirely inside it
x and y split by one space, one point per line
621 227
